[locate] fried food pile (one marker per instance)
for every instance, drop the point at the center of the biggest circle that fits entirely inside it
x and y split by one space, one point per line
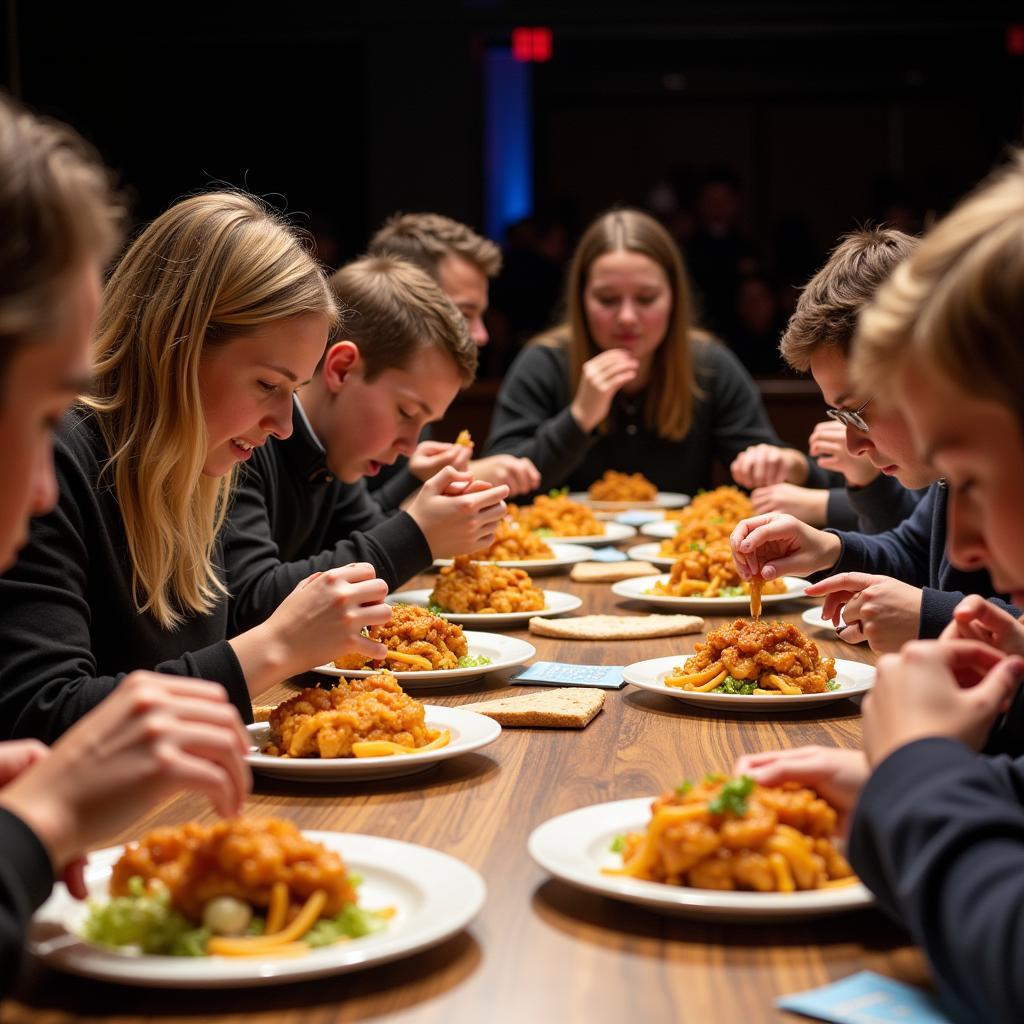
327 723
616 486
416 639
513 543
775 656
710 516
559 516
707 569
734 834
240 857
485 589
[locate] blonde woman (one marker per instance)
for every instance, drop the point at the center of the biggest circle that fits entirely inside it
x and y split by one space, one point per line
629 384
211 321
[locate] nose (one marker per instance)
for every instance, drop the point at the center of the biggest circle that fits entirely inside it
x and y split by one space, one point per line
967 549
278 421
627 312
478 331
44 483
857 442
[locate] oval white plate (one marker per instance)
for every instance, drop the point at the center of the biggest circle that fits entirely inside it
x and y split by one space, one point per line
565 555
575 847
435 896
854 678
504 652
649 553
469 731
665 499
634 589
664 529
613 533
556 602
813 618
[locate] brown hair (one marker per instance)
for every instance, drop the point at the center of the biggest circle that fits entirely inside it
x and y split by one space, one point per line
392 309
958 300
58 210
426 238
831 301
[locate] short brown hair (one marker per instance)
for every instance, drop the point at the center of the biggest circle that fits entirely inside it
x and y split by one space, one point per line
426 238
392 309
58 209
829 305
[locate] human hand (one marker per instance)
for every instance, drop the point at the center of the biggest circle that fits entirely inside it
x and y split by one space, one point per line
950 688
974 618
827 445
519 475
777 544
18 755
761 465
600 381
809 505
430 457
884 611
458 514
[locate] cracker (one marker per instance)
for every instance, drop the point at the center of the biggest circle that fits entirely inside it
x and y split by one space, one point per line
569 707
610 572
261 712
616 627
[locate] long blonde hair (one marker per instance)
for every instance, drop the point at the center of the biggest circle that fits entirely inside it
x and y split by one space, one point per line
211 268
668 408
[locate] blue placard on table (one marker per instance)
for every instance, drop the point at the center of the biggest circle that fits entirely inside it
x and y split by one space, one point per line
639 518
608 555
558 673
866 998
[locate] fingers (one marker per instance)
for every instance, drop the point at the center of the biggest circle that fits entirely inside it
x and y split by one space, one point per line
1000 684
852 634
354 572
18 755
743 553
73 876
446 480
370 649
213 745
184 771
850 582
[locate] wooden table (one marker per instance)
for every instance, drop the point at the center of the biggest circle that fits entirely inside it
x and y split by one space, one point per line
540 951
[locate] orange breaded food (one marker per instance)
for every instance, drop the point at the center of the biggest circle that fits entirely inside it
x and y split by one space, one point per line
325 723
413 630
708 570
734 834
559 516
776 656
513 544
616 486
239 857
728 502
485 589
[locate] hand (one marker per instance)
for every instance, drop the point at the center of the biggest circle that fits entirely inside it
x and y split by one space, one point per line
153 736
458 514
18 755
807 504
828 445
430 457
776 544
974 618
836 775
879 609
601 380
951 688
519 475
763 464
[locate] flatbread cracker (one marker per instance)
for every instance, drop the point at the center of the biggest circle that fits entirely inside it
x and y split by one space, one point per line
610 572
569 707
616 627
261 712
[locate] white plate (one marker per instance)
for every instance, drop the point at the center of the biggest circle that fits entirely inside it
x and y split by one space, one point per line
665 499
664 529
854 678
469 731
565 555
504 652
649 553
813 618
635 589
613 533
575 847
435 896
556 602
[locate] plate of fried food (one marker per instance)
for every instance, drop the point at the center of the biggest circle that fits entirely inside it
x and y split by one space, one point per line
753 665
516 548
252 901
722 848
556 516
616 492
367 728
721 594
424 648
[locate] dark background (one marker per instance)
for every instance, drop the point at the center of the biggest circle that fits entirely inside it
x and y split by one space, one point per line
821 115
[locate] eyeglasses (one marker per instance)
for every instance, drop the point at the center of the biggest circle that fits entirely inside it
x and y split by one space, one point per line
850 417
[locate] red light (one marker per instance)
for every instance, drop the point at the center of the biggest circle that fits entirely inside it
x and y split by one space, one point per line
531 44
1015 40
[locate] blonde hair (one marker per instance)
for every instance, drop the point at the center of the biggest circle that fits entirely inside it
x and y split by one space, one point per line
958 301
209 269
58 210
668 408
393 310
426 238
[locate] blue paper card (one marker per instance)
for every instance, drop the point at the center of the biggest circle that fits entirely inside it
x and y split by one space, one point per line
639 518
608 555
557 673
866 998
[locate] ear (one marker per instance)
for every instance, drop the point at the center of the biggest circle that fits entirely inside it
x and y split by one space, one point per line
340 360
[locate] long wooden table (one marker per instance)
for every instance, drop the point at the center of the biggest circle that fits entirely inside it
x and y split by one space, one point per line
540 951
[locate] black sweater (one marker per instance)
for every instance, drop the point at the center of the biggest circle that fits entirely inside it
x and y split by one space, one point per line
69 629
532 419
291 517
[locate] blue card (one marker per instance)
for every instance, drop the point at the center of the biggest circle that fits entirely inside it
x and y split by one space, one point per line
639 518
557 673
866 998
608 555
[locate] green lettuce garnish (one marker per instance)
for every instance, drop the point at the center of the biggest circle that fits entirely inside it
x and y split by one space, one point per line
468 661
732 797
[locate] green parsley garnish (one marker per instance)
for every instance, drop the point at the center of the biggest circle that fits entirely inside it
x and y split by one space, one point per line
557 492
730 592
436 609
732 797
544 531
618 844
737 687
684 787
697 545
468 661
832 685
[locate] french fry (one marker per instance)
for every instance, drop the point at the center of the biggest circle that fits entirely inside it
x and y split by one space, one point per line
277 912
695 677
416 660
755 597
709 685
253 945
383 748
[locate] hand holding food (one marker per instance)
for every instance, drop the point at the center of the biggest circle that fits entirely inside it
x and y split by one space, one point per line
776 544
708 570
977 619
602 378
950 688
430 457
519 475
828 445
616 486
763 464
809 505
456 513
879 609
